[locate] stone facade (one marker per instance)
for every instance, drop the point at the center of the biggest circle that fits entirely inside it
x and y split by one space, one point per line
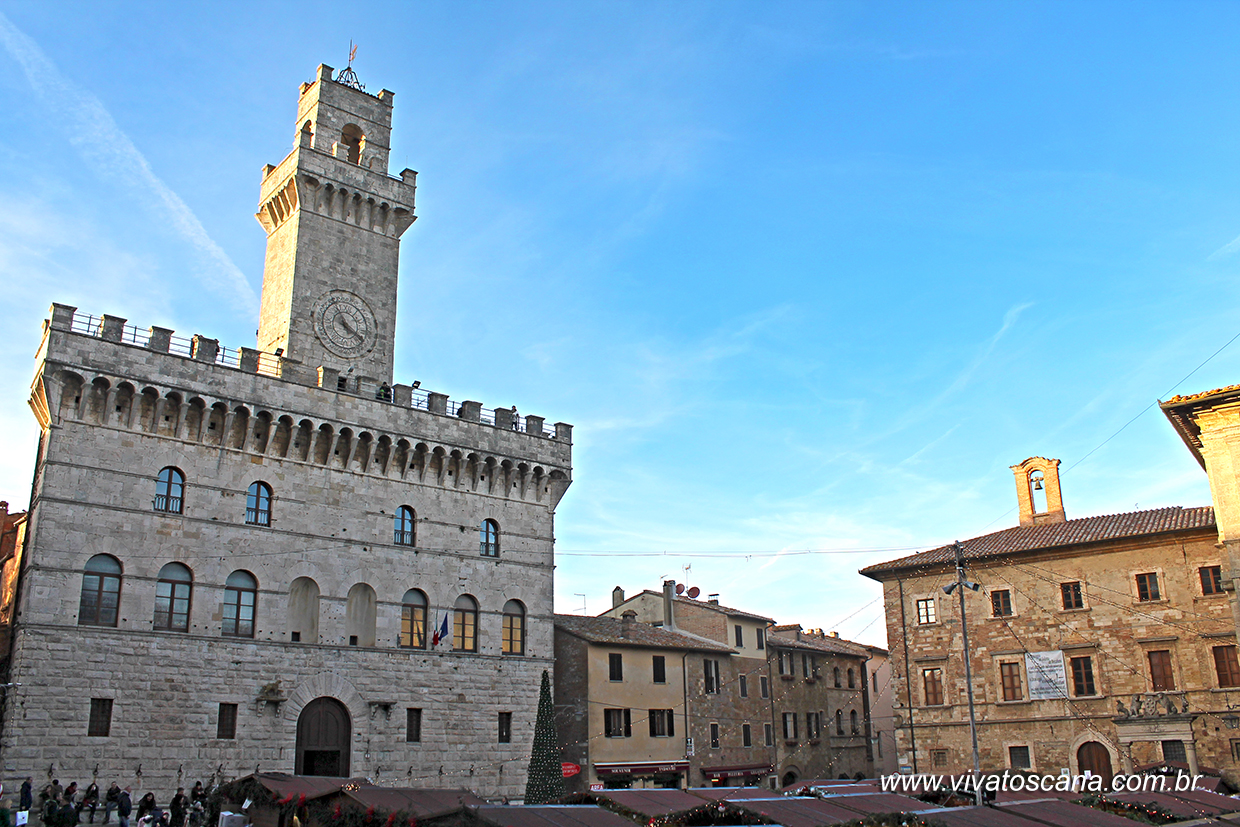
820 699
731 700
1121 614
882 726
144 693
640 753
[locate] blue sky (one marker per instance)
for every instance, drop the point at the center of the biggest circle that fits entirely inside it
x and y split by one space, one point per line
803 276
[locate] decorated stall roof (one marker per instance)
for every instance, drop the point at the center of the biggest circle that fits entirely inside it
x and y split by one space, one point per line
1063 814
550 815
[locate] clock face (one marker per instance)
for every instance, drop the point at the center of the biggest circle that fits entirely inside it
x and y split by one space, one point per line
344 324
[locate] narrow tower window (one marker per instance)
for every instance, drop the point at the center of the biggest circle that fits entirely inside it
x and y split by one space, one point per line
169 486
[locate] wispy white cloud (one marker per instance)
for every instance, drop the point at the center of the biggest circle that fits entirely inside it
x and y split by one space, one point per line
1226 250
100 140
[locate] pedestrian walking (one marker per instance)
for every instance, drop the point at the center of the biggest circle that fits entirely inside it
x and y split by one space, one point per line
26 799
178 808
124 806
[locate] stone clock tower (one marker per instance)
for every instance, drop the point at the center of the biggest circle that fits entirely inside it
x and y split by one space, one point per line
334 218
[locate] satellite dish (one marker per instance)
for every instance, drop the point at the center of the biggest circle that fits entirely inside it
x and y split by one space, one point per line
680 588
694 592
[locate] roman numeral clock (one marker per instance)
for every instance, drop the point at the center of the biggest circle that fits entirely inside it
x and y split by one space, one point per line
344 323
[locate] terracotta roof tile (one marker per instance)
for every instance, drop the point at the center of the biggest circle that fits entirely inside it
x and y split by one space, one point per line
609 630
1192 397
829 645
1056 535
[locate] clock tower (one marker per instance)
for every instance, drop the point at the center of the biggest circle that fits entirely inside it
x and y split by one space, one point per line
334 218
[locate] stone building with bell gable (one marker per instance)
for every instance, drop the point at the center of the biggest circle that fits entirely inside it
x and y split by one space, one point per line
243 559
1097 644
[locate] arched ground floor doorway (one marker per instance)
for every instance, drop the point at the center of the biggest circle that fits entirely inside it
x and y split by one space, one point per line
324 734
1095 758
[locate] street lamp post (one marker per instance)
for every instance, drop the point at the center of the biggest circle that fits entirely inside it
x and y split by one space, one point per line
963 583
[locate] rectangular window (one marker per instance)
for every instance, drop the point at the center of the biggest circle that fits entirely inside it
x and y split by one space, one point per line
172 605
1226 666
617 723
744 686
764 686
714 736
1161 677
1211 579
505 728
813 725
1010 673
615 667
1000 603
1174 751
805 673
413 725
662 723
932 682
790 726
740 636
226 723
1235 749
768 734
938 757
925 611
1018 758
761 638
1072 596
660 669
711 671
100 725
1083 676
785 663
874 681
1147 586
746 736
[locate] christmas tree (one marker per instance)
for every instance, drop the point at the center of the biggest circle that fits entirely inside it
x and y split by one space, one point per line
545 780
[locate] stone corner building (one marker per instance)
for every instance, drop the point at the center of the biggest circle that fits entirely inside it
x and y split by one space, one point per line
242 559
1101 643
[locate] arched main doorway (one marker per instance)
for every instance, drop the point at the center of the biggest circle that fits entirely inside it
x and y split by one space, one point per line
324 732
1094 757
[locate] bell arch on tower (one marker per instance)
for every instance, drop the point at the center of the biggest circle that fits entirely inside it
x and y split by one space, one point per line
1037 491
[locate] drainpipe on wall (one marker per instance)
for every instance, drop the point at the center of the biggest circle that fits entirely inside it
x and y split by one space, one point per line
908 679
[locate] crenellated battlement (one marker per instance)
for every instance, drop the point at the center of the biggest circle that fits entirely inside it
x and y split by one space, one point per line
203 364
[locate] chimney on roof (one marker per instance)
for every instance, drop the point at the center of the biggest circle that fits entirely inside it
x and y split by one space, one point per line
1037 491
669 599
835 634
712 598
617 596
628 619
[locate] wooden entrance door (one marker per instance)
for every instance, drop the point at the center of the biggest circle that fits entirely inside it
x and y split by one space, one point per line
324 731
1094 757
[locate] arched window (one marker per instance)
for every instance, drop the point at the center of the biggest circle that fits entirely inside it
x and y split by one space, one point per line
852 717
413 620
353 140
360 615
489 538
172 596
514 628
852 680
240 603
303 611
465 624
258 504
169 486
402 526
101 591
839 722
836 675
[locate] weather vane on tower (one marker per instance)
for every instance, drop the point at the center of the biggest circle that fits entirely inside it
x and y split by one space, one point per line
346 75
